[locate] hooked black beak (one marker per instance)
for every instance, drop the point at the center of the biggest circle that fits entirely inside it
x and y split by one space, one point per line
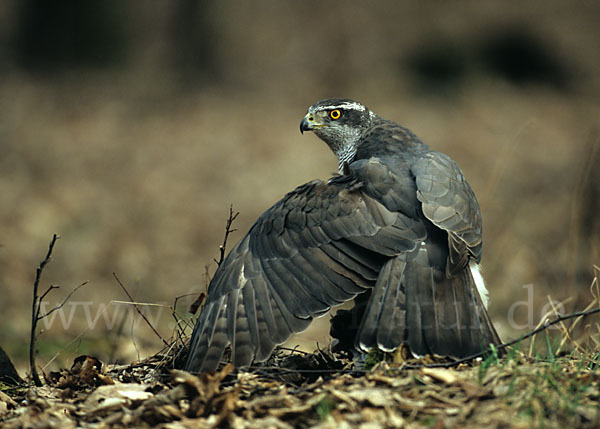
306 124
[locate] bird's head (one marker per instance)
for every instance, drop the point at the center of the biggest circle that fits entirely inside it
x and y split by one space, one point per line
340 123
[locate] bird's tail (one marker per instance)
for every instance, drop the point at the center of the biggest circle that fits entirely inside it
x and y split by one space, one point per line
417 304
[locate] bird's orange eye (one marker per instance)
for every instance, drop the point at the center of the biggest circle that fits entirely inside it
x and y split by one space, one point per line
335 114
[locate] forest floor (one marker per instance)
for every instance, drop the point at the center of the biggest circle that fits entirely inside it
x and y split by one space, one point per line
298 389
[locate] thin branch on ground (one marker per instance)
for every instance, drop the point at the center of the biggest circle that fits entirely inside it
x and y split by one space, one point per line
138 310
178 321
228 230
61 305
183 323
193 308
35 311
50 288
37 307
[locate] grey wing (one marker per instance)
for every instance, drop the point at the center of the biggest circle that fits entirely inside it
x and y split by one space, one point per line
427 298
450 204
321 245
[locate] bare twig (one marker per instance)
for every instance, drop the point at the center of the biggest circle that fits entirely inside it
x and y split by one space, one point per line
50 288
228 230
61 305
193 308
138 310
35 310
182 323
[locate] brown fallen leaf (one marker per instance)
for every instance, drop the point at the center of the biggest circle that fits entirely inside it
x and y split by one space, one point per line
206 385
441 374
392 381
378 397
86 371
112 397
342 396
6 403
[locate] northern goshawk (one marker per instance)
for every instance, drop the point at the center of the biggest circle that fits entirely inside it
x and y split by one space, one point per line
399 229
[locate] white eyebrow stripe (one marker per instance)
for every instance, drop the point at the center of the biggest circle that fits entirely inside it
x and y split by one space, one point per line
350 106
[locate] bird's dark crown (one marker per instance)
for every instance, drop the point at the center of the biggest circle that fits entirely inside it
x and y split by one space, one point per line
337 103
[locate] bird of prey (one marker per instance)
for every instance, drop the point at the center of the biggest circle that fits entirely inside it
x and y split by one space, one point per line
398 229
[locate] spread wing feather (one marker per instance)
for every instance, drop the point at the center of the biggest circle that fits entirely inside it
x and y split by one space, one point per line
321 245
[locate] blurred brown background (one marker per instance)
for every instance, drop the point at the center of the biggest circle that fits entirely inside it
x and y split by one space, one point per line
130 127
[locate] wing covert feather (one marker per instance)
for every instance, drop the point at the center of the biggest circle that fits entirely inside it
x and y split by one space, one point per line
449 203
